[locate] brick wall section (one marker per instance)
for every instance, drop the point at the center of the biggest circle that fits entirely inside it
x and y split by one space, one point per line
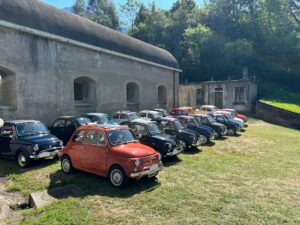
277 116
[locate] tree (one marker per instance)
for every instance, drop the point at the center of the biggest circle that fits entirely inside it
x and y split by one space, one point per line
130 10
99 11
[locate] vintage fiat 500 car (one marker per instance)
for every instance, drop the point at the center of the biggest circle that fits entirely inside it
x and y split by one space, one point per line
209 121
111 151
236 114
191 123
163 112
124 117
149 114
172 126
232 128
149 133
27 140
99 118
182 111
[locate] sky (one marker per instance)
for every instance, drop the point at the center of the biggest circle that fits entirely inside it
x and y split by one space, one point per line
164 4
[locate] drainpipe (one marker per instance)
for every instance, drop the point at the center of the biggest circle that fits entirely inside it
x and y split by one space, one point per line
174 89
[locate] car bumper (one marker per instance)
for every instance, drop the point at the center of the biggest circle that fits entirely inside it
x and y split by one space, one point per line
198 143
176 151
147 173
46 154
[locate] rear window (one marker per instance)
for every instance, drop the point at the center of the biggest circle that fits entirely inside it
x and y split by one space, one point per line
83 121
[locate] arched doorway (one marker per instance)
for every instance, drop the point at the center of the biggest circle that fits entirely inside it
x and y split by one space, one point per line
8 92
162 96
133 96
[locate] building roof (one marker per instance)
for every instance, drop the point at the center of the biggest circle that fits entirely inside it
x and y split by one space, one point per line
42 17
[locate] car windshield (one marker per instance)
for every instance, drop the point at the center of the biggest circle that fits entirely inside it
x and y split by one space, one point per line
210 119
178 125
104 118
193 121
133 116
228 116
26 129
123 136
154 129
160 113
83 121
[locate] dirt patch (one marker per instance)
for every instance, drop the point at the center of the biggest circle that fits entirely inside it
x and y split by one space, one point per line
8 216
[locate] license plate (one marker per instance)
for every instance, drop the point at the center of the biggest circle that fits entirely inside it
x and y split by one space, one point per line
153 168
44 154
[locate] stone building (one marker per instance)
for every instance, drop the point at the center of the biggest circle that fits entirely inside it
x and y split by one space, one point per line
237 94
54 63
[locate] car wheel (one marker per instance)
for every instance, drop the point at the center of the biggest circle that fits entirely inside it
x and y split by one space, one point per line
231 132
23 160
204 139
66 165
117 177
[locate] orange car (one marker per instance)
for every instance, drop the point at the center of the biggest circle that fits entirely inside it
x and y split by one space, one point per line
182 111
111 151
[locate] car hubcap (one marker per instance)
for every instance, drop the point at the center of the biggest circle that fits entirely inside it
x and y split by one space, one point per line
22 160
230 132
204 139
66 165
116 177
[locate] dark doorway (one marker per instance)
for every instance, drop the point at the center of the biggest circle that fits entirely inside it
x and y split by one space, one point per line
219 99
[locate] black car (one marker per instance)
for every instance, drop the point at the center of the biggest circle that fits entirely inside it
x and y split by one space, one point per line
151 135
209 121
27 140
64 126
124 117
191 123
232 128
172 126
163 112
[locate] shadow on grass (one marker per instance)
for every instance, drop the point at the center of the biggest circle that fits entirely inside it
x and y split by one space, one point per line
171 161
86 184
10 166
209 144
222 138
192 151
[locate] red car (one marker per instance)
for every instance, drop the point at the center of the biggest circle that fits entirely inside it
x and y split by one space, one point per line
111 151
235 114
182 111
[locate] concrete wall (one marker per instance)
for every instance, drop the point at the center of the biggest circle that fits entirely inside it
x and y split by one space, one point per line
45 71
188 94
277 116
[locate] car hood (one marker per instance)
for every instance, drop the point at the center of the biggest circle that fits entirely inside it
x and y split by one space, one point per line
132 150
40 139
165 138
188 132
218 124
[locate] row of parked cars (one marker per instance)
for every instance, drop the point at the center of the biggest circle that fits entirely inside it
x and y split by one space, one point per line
128 145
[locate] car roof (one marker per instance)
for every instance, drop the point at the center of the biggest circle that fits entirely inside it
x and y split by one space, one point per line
166 119
143 121
95 114
149 111
22 121
125 112
103 127
208 106
186 117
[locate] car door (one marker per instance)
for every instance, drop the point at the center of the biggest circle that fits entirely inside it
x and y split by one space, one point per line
95 152
70 128
6 134
58 129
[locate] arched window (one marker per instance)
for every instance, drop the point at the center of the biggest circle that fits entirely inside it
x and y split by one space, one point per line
85 90
8 93
162 96
133 96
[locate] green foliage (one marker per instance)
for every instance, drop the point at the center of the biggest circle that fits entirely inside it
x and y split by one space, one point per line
99 11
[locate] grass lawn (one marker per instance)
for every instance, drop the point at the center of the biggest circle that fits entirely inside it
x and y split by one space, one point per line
280 97
251 179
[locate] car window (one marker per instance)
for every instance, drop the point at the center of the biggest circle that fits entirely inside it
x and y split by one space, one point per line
92 137
168 125
70 125
82 121
205 120
7 130
102 138
151 116
59 124
79 136
143 114
139 129
116 116
220 118
123 116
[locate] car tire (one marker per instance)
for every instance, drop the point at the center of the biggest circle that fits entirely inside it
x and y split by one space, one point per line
117 177
205 139
231 132
23 159
66 165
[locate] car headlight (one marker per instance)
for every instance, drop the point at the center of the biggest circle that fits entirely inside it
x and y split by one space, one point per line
35 147
61 143
168 145
159 157
137 162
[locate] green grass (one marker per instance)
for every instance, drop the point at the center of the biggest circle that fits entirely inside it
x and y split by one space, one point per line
280 97
251 179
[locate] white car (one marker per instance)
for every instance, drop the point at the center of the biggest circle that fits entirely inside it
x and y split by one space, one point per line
149 114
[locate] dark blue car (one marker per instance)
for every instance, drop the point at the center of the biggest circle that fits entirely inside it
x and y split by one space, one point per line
191 123
27 140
